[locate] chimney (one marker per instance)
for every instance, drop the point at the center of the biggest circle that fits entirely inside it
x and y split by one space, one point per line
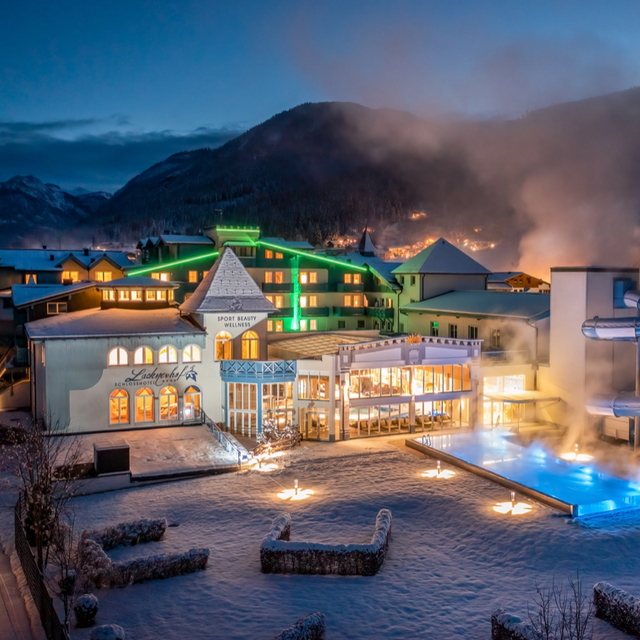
86 251
51 256
44 247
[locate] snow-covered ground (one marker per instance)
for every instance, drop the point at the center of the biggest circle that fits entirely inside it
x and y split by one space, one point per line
452 559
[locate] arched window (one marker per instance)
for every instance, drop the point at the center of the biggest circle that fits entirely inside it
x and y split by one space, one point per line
249 345
223 346
168 355
143 355
169 404
119 407
118 357
191 353
144 405
192 399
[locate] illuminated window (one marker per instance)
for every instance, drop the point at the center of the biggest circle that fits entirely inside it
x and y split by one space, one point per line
118 357
193 276
435 329
279 277
269 325
169 404
170 295
54 308
74 276
357 278
348 301
278 256
313 277
279 326
304 301
119 407
168 355
192 402
104 276
144 405
151 295
303 325
108 294
155 276
313 324
191 353
347 278
357 302
268 276
164 277
223 346
304 277
313 301
250 345
389 303
30 278
268 254
143 355
124 294
136 294
204 274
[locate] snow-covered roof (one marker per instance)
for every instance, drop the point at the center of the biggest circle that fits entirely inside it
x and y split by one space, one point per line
381 268
26 294
183 239
227 287
442 257
525 306
99 323
288 244
366 243
50 260
137 282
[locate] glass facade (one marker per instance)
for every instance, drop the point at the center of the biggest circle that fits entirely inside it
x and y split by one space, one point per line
243 408
277 402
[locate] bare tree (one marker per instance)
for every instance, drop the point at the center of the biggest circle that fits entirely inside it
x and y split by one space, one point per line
43 464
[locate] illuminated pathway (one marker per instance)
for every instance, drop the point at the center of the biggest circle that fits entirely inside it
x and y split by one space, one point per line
576 487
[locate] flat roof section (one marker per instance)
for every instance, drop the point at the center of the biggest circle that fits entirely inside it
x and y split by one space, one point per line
312 346
99 323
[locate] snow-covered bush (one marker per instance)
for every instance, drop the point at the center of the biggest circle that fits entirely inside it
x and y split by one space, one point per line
272 436
100 571
86 609
279 555
311 627
128 534
619 608
108 632
504 626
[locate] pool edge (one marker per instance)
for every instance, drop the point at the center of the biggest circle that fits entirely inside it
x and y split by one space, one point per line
494 477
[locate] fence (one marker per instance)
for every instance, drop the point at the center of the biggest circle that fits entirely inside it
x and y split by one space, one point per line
53 628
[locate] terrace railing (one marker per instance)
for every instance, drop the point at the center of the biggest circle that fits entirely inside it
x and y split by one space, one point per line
229 443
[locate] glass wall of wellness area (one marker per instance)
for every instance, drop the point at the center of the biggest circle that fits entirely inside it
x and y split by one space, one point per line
496 412
314 419
412 383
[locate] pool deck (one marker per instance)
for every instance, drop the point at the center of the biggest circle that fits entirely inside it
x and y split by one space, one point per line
576 488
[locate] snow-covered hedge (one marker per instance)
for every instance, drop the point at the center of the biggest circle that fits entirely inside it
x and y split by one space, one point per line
108 632
311 627
279 555
100 571
504 626
619 608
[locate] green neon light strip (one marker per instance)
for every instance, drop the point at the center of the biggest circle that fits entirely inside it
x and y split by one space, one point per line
166 265
279 249
247 229
295 296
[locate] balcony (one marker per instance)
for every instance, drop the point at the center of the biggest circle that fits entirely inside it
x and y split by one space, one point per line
344 287
506 357
382 313
314 287
282 312
277 287
252 369
315 312
349 311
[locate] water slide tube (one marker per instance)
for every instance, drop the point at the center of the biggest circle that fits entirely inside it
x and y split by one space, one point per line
622 405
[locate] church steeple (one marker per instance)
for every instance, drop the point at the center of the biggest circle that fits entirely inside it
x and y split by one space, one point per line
366 246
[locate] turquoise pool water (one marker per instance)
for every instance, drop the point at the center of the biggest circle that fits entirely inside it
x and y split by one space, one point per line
579 484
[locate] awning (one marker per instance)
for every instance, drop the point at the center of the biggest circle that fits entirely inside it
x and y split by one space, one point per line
521 397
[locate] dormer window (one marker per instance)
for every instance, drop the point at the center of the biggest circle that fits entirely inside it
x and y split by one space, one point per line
162 276
74 276
30 278
104 276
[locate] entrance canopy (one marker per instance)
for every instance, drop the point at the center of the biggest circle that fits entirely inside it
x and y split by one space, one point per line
521 397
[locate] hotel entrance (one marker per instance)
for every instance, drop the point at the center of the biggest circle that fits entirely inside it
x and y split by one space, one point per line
314 424
497 412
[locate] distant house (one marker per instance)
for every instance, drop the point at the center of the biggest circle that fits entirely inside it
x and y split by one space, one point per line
517 281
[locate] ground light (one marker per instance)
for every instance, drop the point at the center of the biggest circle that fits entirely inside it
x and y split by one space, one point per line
574 456
264 462
512 507
296 493
445 474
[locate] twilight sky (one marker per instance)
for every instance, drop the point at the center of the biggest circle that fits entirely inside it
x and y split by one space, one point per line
92 93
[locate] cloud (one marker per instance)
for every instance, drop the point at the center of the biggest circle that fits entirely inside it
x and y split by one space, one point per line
97 162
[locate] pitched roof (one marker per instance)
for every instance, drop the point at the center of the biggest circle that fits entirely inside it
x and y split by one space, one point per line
525 306
227 287
26 294
442 257
133 282
366 243
98 323
50 259
183 239
288 244
382 268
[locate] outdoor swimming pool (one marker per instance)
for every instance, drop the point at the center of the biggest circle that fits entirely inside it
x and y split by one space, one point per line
576 487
